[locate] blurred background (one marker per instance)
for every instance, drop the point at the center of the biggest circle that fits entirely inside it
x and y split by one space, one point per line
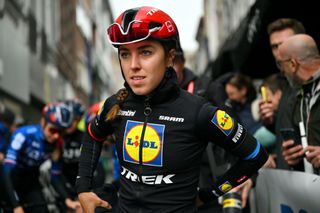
53 50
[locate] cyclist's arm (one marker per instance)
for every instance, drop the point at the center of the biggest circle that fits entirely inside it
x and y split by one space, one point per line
91 147
217 126
57 181
10 163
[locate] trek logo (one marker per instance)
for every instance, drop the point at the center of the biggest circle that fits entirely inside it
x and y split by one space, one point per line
174 119
238 133
152 145
127 113
152 11
147 179
223 121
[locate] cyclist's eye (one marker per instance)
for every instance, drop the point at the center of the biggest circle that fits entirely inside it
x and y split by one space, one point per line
124 54
146 52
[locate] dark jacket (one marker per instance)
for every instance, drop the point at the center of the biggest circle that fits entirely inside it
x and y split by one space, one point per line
307 109
189 78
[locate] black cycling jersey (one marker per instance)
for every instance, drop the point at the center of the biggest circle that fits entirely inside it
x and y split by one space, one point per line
160 141
70 162
71 154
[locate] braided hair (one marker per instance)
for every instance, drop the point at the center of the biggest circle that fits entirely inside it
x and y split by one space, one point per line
113 112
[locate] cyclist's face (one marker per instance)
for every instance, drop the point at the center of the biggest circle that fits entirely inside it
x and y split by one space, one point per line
144 64
73 126
52 133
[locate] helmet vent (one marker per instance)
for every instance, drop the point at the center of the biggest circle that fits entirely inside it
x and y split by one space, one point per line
128 16
154 25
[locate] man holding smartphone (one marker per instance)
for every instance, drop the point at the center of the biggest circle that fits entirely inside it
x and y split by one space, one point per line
299 61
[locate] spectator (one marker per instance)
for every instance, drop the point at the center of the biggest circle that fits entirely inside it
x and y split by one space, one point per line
273 85
275 119
186 78
299 60
241 93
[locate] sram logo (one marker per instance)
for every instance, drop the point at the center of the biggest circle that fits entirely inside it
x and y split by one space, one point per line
147 179
168 118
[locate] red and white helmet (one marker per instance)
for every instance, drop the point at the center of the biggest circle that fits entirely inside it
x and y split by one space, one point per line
140 23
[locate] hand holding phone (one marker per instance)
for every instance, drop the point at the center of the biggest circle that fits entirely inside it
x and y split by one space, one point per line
290 134
292 153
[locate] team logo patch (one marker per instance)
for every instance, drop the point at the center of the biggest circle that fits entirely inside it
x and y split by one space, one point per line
223 121
152 146
225 187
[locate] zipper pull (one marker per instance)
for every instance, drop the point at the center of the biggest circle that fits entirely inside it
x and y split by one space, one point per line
147 109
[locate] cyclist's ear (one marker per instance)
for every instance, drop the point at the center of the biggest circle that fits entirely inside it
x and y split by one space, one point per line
170 57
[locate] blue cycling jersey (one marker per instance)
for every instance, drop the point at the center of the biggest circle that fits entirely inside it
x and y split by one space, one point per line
28 148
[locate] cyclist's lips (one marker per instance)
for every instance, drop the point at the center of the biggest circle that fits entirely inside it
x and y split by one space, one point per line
137 79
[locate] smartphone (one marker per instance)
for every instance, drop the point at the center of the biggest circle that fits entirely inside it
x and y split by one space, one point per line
290 133
264 93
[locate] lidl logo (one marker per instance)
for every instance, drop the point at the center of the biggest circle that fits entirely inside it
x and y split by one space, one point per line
152 145
225 187
223 121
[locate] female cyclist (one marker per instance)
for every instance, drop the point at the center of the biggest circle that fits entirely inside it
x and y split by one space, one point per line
160 129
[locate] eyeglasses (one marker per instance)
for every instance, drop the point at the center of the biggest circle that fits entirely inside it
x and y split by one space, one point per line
136 31
280 62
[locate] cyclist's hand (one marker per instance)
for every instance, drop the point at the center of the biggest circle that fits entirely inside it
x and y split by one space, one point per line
89 201
199 202
18 209
244 190
74 205
271 163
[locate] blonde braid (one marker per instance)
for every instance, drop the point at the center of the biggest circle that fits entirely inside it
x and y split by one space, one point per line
113 112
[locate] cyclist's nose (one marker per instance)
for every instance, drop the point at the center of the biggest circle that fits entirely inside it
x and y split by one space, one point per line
135 62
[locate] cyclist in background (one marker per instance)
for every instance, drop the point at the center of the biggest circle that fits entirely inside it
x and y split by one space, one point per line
29 147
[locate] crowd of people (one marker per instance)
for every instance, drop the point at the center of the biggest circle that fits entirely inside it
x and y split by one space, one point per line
173 151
